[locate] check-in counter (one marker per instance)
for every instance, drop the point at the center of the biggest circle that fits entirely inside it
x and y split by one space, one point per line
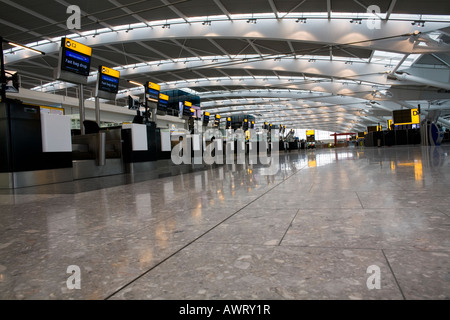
35 148
97 154
145 147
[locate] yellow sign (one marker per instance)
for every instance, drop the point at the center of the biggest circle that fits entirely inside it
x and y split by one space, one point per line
51 110
110 72
154 86
229 119
206 113
78 47
188 104
192 110
164 97
245 120
217 116
309 132
415 118
389 124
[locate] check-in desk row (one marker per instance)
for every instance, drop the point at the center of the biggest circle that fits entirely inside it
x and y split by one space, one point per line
291 145
392 137
38 148
198 149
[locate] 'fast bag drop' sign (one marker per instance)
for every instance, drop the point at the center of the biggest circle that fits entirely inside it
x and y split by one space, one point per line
74 62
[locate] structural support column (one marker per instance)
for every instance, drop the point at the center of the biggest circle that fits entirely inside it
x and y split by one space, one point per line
2 75
82 113
97 110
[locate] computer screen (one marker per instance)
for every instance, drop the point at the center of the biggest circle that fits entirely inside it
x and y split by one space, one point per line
133 103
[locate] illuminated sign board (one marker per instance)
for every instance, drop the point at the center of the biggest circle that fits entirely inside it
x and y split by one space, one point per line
310 136
108 80
206 118
187 108
389 123
407 116
163 102
217 120
153 91
228 123
75 57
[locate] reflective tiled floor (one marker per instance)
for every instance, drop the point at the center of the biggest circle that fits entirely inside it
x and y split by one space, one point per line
308 232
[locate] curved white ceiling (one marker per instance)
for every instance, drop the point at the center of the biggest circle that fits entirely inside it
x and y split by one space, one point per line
325 73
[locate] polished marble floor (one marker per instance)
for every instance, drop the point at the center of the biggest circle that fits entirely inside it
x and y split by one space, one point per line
311 231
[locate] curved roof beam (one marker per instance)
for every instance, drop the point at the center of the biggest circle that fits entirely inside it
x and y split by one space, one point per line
344 69
394 36
361 91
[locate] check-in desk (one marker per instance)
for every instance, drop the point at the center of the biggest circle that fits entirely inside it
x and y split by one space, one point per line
145 147
97 154
35 148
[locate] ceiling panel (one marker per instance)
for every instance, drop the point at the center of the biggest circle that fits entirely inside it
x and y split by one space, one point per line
202 47
170 49
239 6
272 47
352 52
358 6
233 46
422 7
306 6
21 18
235 72
134 51
152 10
209 73
196 8
303 48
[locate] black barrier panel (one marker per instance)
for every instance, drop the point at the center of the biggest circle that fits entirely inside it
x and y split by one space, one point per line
414 136
21 140
401 137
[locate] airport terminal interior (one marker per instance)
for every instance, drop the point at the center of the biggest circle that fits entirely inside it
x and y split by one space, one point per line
225 150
